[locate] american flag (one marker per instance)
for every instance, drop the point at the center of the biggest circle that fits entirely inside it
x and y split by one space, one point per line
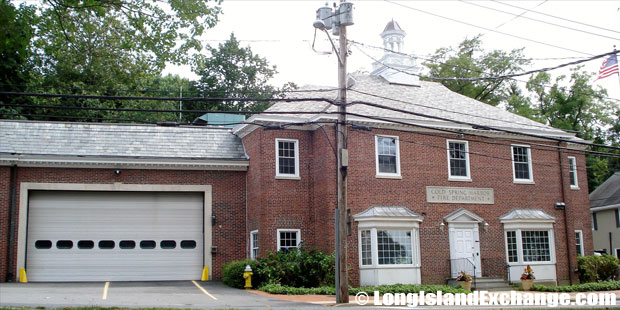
609 67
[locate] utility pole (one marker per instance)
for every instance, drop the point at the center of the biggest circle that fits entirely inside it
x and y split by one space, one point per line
342 295
340 18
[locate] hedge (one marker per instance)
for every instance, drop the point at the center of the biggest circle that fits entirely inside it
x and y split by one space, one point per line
330 290
583 287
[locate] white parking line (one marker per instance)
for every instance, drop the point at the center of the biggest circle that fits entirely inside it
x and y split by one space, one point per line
203 290
105 291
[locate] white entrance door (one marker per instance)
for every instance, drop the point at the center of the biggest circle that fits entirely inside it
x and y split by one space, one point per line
465 251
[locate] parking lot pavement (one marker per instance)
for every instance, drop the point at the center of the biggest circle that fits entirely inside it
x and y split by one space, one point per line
170 294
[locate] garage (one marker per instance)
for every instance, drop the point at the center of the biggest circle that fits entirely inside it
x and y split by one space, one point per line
77 236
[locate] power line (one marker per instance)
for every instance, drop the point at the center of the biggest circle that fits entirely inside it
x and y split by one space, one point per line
449 111
538 20
553 16
176 99
443 147
478 126
462 67
330 101
283 125
519 15
485 28
275 92
505 76
460 133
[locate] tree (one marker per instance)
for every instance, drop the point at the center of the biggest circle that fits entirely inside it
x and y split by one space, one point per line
469 60
232 71
15 52
580 107
110 47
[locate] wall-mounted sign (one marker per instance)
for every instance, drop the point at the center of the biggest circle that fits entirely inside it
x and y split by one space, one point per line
440 194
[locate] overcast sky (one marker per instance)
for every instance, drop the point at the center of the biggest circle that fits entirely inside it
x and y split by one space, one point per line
282 32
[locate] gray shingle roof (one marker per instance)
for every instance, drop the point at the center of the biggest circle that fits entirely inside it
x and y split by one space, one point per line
526 214
118 140
608 193
430 98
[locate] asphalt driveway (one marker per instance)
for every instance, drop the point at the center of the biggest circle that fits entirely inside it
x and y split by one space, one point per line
170 294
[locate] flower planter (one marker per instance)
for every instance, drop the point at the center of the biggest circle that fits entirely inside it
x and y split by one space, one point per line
465 285
526 285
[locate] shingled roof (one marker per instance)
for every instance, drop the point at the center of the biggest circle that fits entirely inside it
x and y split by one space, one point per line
608 193
430 98
27 139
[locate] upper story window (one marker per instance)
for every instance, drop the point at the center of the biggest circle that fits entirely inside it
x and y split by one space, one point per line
572 172
287 158
387 156
522 164
594 221
458 160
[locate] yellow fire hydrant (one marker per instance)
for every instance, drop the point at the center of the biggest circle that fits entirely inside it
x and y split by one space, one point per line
247 275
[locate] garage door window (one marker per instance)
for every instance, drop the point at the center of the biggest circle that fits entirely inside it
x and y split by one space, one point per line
43 244
106 244
188 244
127 244
85 244
168 244
147 244
64 244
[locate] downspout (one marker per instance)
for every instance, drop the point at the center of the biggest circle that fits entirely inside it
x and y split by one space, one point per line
566 230
12 203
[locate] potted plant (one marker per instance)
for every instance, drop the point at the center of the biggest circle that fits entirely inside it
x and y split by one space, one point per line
527 278
464 280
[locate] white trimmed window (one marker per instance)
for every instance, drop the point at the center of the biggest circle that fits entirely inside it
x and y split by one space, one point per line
529 246
288 238
254 244
458 160
579 242
522 164
387 156
287 158
572 172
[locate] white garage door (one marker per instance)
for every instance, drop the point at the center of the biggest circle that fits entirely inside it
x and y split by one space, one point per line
114 236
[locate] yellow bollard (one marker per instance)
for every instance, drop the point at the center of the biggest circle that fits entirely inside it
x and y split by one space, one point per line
22 275
247 275
205 274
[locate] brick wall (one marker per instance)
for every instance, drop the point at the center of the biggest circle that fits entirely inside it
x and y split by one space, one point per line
228 190
423 163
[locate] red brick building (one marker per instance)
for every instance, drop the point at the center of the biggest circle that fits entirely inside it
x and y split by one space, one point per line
437 183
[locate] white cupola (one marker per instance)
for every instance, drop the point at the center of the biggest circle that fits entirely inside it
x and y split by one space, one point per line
395 66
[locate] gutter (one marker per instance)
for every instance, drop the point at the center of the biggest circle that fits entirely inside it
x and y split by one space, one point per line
566 230
12 204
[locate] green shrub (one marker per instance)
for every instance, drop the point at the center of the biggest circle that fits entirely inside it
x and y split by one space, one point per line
329 290
583 287
232 273
595 268
298 268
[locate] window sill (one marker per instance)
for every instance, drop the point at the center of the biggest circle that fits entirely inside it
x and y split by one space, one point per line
389 176
287 177
523 182
575 188
455 179
530 263
390 266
